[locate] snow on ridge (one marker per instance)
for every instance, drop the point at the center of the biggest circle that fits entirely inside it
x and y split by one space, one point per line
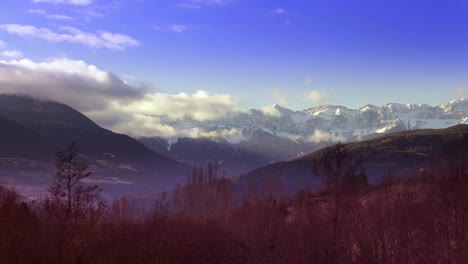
345 123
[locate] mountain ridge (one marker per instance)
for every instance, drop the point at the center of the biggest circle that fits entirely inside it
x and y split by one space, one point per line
300 132
401 153
349 123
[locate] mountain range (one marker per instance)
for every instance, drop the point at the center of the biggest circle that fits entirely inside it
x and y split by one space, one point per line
272 141
259 137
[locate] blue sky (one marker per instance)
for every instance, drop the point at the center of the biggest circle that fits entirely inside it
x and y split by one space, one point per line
296 53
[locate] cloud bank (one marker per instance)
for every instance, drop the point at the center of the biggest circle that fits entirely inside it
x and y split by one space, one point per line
123 106
109 100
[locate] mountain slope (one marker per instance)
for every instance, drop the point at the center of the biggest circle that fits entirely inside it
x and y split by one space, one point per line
21 142
60 124
401 153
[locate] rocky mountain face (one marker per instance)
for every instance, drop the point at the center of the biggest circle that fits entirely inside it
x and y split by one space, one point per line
276 133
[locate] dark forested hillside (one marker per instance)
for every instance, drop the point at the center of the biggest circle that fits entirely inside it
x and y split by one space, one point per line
398 153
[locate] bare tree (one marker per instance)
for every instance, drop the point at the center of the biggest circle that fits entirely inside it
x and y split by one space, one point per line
79 207
342 172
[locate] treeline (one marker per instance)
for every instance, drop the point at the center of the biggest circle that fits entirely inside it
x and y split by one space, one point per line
424 220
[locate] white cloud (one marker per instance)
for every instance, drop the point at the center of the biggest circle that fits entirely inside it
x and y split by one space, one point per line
279 97
2 44
90 14
44 13
200 106
176 28
110 101
271 110
279 11
101 39
13 54
315 96
323 136
37 12
71 2
151 114
76 83
65 66
60 17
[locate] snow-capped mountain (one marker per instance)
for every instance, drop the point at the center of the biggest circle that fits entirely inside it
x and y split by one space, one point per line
262 136
326 123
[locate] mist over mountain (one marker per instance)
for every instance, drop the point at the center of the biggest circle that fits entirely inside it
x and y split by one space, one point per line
276 133
33 130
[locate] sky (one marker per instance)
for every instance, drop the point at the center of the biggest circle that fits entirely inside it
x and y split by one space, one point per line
174 56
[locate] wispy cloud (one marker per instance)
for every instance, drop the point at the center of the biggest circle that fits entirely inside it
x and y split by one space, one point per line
90 14
271 110
100 39
176 28
279 97
44 13
315 96
282 12
279 11
324 136
196 4
13 54
70 2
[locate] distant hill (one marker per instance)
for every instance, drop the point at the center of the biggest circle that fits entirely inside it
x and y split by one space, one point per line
397 153
259 150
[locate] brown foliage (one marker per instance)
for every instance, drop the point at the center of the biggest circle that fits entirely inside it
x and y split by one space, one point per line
418 221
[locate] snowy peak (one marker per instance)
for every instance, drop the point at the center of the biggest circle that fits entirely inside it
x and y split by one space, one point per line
343 122
369 107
